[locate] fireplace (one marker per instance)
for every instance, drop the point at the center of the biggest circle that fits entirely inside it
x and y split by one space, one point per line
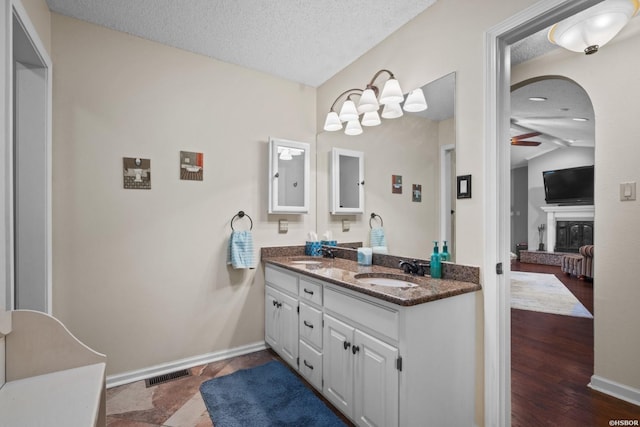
569 227
570 235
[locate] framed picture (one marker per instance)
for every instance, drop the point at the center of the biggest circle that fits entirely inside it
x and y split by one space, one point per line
464 187
416 193
396 184
191 166
137 173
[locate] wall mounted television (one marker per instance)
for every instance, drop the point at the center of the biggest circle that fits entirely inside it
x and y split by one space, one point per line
572 186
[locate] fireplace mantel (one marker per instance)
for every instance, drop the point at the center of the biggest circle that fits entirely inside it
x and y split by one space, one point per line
555 213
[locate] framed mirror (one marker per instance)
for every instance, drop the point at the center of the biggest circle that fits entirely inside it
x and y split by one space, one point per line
347 181
288 176
418 149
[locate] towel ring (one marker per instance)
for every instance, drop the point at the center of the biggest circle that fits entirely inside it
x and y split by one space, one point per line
373 216
241 214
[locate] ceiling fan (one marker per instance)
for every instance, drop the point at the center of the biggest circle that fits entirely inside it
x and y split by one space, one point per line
520 139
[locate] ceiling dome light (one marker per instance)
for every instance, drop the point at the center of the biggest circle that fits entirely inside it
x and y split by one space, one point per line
371 119
332 122
415 101
592 28
353 128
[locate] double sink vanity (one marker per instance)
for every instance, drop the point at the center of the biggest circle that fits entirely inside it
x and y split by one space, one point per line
384 347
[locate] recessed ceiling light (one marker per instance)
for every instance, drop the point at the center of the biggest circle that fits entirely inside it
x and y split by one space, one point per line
580 119
537 98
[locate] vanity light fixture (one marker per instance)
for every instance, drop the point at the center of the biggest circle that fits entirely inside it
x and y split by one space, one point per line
592 28
369 102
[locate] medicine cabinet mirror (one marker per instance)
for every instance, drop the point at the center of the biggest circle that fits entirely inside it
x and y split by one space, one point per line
288 176
347 181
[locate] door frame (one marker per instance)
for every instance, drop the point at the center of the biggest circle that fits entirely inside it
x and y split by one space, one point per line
11 8
497 71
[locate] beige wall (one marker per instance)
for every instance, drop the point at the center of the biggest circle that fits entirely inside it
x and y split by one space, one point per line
614 89
140 274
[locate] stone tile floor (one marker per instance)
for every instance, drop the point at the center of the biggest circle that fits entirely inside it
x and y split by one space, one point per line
176 403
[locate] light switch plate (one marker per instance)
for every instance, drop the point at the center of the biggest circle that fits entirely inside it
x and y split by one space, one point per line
627 191
346 225
283 226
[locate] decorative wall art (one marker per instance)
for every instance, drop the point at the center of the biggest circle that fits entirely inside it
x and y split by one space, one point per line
396 184
464 187
191 166
416 193
137 173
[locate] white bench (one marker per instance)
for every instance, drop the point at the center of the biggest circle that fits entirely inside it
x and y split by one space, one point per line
48 377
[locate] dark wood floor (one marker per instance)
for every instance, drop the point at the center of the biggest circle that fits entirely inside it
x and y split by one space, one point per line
552 363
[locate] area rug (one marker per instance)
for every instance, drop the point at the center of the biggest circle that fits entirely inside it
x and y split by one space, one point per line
268 395
544 293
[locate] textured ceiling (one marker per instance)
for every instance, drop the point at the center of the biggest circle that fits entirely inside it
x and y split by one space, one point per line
302 41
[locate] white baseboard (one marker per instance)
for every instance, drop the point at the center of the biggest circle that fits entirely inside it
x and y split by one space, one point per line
617 390
190 362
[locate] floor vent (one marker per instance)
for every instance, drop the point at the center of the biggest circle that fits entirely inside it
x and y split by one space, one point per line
160 379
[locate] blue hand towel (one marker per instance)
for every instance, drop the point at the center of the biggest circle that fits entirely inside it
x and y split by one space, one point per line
240 250
377 237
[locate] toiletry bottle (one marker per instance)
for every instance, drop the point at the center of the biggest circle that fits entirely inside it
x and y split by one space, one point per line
444 256
436 266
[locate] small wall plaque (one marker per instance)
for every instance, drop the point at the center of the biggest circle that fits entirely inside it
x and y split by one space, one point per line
137 173
416 193
191 166
396 184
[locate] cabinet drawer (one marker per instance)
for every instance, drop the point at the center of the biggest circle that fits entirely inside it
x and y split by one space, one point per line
310 291
311 365
281 279
310 326
369 314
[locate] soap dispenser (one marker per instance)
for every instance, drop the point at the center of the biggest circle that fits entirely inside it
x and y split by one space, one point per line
444 256
436 266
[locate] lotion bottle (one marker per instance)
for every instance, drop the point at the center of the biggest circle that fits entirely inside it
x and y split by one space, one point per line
436 266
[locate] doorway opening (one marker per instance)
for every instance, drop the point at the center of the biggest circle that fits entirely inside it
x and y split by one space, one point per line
30 166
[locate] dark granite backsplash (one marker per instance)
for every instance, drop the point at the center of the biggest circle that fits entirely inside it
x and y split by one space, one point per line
450 271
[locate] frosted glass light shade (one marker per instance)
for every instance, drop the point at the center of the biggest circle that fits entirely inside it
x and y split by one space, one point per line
368 102
285 154
392 111
594 27
332 122
348 112
415 101
391 92
371 119
353 128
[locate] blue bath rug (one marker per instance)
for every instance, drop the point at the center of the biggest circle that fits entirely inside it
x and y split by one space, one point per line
267 395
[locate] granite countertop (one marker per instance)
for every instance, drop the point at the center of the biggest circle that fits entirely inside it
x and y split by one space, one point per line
342 272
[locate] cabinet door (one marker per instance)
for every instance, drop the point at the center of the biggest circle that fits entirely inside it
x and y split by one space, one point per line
376 382
347 181
271 329
338 364
281 324
288 329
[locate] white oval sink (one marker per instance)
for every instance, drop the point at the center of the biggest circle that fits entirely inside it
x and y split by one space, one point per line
394 281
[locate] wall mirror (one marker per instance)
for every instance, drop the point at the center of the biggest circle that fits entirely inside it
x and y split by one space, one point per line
288 176
347 181
418 147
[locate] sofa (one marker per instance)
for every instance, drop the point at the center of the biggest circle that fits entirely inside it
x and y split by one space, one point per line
580 264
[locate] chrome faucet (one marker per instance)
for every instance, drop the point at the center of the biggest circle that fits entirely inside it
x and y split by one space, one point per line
414 267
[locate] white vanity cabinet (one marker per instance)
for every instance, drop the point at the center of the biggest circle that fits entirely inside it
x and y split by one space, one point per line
379 363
